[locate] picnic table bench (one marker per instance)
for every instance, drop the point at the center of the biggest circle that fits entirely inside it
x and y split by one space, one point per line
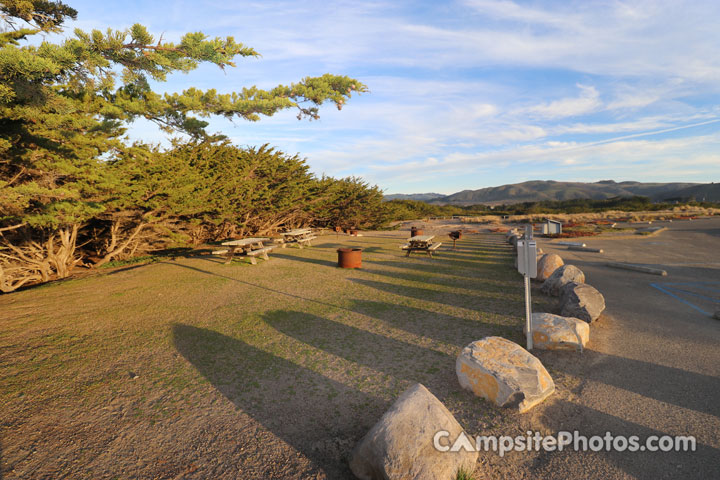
250 247
298 236
421 243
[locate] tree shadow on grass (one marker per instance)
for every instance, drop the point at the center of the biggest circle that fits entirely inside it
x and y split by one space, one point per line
450 281
447 265
378 352
261 287
429 267
158 256
479 257
489 303
438 326
375 249
317 416
439 262
316 261
327 245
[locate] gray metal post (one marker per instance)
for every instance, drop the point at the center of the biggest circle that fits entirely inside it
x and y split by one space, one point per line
528 300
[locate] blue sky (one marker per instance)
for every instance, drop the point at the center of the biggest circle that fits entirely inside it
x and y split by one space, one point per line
470 93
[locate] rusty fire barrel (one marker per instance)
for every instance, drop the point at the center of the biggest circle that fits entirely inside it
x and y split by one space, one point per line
414 232
349 257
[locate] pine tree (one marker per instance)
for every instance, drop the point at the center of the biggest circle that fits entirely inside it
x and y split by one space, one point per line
64 108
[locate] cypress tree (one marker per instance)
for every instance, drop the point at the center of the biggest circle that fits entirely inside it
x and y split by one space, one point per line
65 106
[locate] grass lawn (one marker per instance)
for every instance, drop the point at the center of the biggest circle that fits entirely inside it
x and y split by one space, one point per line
188 368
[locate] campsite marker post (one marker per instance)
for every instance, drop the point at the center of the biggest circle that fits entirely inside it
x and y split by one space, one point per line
527 265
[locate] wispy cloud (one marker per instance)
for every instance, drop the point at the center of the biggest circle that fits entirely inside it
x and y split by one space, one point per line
470 93
588 101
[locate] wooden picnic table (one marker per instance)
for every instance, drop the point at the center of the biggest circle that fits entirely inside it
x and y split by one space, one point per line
298 236
421 243
297 231
250 247
421 239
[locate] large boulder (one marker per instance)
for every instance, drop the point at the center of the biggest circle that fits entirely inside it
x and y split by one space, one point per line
547 265
504 373
561 277
401 446
553 332
582 301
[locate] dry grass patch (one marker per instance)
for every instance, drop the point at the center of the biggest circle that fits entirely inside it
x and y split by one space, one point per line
189 367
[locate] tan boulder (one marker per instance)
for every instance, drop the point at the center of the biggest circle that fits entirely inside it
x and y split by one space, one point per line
504 373
401 446
547 264
561 277
553 332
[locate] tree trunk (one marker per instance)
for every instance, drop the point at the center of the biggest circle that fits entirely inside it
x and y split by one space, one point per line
24 261
114 249
63 259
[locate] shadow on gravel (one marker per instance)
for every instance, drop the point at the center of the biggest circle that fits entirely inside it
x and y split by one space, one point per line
565 416
670 385
315 415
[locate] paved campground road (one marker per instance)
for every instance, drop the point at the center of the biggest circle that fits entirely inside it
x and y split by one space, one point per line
653 363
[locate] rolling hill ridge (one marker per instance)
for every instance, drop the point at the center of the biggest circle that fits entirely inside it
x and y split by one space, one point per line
539 190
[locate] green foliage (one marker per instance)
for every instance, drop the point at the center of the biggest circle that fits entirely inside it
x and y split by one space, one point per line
582 205
228 190
414 209
64 107
243 190
41 15
463 474
348 202
64 167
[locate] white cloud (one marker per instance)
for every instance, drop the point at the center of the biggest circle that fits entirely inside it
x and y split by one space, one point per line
588 101
464 91
507 10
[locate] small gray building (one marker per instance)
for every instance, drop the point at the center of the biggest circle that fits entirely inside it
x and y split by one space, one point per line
552 227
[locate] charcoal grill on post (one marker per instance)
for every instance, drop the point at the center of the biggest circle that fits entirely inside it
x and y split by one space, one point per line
455 235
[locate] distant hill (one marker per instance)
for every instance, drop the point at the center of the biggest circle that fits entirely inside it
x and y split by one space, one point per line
538 190
704 192
422 197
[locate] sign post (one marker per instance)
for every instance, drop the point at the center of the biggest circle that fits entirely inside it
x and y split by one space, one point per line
527 265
